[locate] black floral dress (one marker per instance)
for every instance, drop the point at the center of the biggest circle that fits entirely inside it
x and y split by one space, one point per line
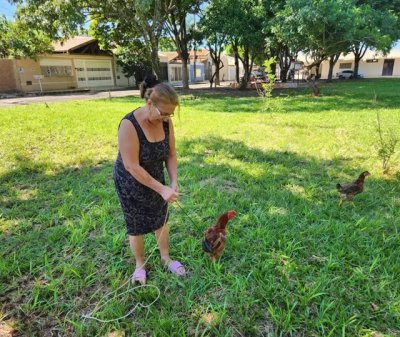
144 209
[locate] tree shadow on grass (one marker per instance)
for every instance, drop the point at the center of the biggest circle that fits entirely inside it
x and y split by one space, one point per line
58 230
351 97
62 230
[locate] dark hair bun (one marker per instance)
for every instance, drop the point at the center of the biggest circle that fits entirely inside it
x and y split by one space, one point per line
149 81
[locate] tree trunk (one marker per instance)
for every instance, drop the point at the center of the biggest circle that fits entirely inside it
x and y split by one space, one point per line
247 70
317 74
217 80
332 61
185 73
357 59
284 65
155 62
237 69
312 81
283 75
216 73
194 61
359 52
236 54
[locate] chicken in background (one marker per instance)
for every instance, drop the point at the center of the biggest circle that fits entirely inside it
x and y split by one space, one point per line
215 237
347 192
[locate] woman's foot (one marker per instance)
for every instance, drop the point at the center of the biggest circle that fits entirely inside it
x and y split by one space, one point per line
175 267
139 275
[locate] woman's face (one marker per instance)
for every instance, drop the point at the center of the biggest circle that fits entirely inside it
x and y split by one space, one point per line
161 112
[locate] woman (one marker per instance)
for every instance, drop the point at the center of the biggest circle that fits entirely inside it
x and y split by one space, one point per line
146 142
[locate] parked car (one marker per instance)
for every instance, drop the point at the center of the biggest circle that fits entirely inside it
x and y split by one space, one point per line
257 75
347 74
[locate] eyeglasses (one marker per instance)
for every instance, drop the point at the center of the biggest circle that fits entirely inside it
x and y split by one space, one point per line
163 114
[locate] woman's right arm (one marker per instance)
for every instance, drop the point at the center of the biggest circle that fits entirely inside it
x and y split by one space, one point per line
128 143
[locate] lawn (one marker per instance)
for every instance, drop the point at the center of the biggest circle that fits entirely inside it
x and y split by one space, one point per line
295 263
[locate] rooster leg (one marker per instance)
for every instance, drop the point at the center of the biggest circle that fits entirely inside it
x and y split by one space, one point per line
215 256
340 202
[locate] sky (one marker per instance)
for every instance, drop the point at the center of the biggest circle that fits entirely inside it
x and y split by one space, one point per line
9 10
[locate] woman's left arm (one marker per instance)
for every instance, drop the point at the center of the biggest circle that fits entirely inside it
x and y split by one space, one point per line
172 160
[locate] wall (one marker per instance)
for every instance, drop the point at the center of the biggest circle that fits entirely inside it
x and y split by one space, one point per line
28 68
8 79
368 70
123 81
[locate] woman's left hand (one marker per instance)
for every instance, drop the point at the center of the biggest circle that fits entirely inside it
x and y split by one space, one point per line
175 187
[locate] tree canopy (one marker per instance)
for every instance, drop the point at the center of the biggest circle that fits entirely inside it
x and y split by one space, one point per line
254 29
17 39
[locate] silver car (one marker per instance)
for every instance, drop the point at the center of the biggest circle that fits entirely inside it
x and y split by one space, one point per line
347 74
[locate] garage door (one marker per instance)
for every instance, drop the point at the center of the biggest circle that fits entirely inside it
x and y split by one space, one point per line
94 73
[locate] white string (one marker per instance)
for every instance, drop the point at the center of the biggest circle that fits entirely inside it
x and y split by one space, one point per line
90 315
97 307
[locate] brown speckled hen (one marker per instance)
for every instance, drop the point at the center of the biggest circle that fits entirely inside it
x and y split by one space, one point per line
347 192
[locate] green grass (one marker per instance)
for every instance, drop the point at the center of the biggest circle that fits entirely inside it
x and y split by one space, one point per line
295 263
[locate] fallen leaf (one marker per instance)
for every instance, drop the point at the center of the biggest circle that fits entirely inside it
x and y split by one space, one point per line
116 334
374 306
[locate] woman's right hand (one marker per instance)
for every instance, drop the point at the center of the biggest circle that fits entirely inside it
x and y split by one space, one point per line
168 194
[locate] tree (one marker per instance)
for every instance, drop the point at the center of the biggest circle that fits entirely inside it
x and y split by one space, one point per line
376 26
326 28
124 20
176 26
212 26
166 44
4 37
251 36
284 38
17 40
133 62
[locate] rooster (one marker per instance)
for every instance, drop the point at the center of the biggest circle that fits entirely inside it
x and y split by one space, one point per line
347 192
214 237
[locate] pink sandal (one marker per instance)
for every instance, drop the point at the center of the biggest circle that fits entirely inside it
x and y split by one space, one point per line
175 267
139 275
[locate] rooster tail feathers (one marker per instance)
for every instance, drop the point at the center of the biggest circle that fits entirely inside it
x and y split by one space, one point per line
338 187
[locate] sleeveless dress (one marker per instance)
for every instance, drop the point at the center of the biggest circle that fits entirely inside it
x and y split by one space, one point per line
144 209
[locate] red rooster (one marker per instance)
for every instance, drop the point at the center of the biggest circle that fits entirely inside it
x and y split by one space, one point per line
214 237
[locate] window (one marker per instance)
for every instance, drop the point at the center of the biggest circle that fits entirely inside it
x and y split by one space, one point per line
100 78
98 69
176 74
345 65
372 60
56 71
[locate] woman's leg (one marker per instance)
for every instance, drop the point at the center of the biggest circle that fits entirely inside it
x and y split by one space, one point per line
137 245
162 236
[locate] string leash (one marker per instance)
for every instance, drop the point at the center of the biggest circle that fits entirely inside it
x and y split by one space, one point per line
91 314
138 304
184 211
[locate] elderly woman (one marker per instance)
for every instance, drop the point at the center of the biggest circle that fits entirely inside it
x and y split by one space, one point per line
146 144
